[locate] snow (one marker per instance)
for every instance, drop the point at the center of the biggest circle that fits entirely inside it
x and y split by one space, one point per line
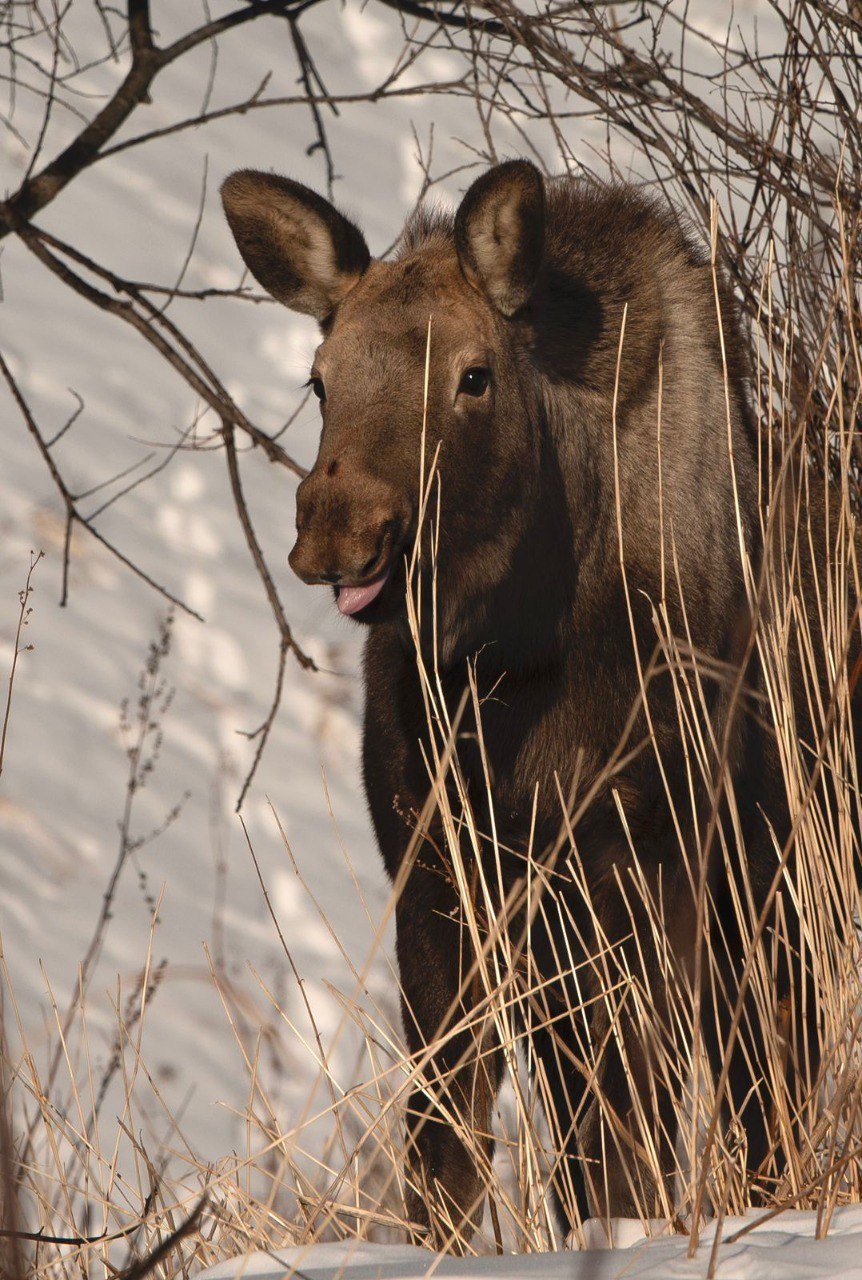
64 780
785 1246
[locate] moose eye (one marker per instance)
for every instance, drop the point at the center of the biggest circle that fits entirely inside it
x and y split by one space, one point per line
474 382
318 388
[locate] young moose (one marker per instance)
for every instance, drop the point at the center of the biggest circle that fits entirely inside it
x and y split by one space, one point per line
588 410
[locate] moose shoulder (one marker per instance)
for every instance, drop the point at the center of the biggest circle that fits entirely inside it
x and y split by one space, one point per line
586 393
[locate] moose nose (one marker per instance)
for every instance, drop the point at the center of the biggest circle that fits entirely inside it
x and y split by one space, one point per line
346 533
358 553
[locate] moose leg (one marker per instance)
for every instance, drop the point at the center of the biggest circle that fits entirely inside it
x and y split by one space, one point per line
449 1111
559 1056
629 1131
763 1051
555 1028
628 1134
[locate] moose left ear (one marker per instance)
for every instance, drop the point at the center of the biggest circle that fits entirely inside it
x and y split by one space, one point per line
295 243
500 233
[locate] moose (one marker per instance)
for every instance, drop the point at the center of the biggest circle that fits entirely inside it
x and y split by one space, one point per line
587 406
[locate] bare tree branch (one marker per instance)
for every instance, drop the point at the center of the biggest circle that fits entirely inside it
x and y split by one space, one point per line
287 642
73 515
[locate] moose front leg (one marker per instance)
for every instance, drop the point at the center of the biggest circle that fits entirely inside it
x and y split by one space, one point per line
629 1130
457 1060
644 954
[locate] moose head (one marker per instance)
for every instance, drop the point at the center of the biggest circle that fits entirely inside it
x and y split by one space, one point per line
472 279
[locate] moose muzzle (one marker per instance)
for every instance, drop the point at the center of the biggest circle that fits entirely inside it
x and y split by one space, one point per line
349 532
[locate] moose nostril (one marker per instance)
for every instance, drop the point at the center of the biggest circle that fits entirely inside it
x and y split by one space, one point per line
385 533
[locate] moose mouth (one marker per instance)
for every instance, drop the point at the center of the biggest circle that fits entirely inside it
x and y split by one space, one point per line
354 600
351 600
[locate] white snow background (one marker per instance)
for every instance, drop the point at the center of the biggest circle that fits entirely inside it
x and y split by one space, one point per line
63 785
785 1248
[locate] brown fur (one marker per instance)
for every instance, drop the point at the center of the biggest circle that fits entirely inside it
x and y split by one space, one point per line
534 282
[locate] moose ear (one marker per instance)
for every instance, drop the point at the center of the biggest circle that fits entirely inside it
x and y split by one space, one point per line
295 243
500 233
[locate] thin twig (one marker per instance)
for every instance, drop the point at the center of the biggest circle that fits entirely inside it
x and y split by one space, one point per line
74 516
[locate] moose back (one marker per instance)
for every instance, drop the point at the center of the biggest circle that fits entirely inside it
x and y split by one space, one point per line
597 458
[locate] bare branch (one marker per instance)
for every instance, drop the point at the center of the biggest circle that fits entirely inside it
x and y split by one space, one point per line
147 61
287 642
73 515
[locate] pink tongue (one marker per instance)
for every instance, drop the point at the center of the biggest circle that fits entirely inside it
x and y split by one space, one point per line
352 599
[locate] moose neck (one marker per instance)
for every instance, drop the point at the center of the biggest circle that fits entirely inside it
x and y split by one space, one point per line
512 604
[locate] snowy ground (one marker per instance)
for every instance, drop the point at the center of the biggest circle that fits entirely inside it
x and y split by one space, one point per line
64 782
786 1247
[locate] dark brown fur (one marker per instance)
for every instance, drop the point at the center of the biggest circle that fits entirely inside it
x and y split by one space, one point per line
572 296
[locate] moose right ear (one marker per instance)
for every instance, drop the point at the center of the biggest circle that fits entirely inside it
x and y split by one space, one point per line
295 243
500 233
